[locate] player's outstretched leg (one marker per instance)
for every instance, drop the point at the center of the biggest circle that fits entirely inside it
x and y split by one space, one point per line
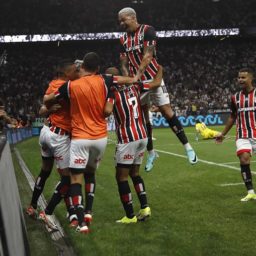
177 128
152 155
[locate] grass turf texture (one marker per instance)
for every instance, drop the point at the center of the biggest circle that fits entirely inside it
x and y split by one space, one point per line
191 213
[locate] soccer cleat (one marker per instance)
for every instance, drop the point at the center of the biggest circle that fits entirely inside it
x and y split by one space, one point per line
47 219
126 220
249 197
150 161
192 158
82 229
32 212
144 214
88 219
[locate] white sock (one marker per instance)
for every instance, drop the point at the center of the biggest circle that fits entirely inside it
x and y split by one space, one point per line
251 191
151 152
187 146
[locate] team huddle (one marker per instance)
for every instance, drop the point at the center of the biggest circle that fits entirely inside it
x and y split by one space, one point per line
77 103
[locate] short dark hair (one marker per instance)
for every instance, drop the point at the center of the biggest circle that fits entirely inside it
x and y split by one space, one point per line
248 70
62 65
113 71
91 61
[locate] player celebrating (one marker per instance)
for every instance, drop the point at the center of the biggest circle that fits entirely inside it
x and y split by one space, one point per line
132 141
204 131
138 58
54 141
87 96
243 111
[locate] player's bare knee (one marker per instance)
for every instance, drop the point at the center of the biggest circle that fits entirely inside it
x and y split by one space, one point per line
244 158
166 111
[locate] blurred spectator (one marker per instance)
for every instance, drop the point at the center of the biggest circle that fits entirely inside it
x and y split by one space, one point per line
196 71
75 16
4 118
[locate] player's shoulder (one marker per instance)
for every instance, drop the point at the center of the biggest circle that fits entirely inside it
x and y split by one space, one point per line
55 84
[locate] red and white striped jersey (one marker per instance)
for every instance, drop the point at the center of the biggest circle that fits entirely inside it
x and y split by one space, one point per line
243 106
129 119
132 46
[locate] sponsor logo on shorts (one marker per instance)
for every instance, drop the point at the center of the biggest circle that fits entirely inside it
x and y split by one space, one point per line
58 158
79 161
141 154
128 157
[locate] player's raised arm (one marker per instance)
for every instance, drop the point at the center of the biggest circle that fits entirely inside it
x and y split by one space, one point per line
61 93
157 79
125 79
44 111
124 65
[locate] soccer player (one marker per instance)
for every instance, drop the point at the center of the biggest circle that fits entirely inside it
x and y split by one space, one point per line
87 96
204 131
54 141
138 58
243 112
131 133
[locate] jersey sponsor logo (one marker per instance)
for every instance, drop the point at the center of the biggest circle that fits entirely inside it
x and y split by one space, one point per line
134 48
246 109
128 157
79 161
141 154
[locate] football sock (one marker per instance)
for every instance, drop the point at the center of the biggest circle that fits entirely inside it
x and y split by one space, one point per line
187 146
126 198
140 190
61 191
149 133
39 186
151 152
77 201
177 128
90 185
247 176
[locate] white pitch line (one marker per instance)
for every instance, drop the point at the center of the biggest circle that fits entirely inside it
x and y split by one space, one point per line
230 184
237 162
202 161
196 142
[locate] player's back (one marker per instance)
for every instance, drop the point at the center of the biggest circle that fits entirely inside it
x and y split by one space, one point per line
130 125
60 118
88 97
200 127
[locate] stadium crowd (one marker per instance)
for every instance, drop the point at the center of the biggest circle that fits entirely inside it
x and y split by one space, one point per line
200 75
74 16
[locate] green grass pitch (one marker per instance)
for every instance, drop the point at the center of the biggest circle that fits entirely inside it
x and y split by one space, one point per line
196 210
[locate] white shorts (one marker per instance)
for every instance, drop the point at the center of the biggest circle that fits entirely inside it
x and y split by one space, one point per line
158 96
85 152
245 145
55 145
131 153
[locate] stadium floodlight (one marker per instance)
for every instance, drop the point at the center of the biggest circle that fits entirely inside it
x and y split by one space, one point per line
116 35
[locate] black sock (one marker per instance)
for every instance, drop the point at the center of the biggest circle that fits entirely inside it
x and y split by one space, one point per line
247 176
77 200
149 133
60 191
90 185
177 128
126 198
140 190
39 186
